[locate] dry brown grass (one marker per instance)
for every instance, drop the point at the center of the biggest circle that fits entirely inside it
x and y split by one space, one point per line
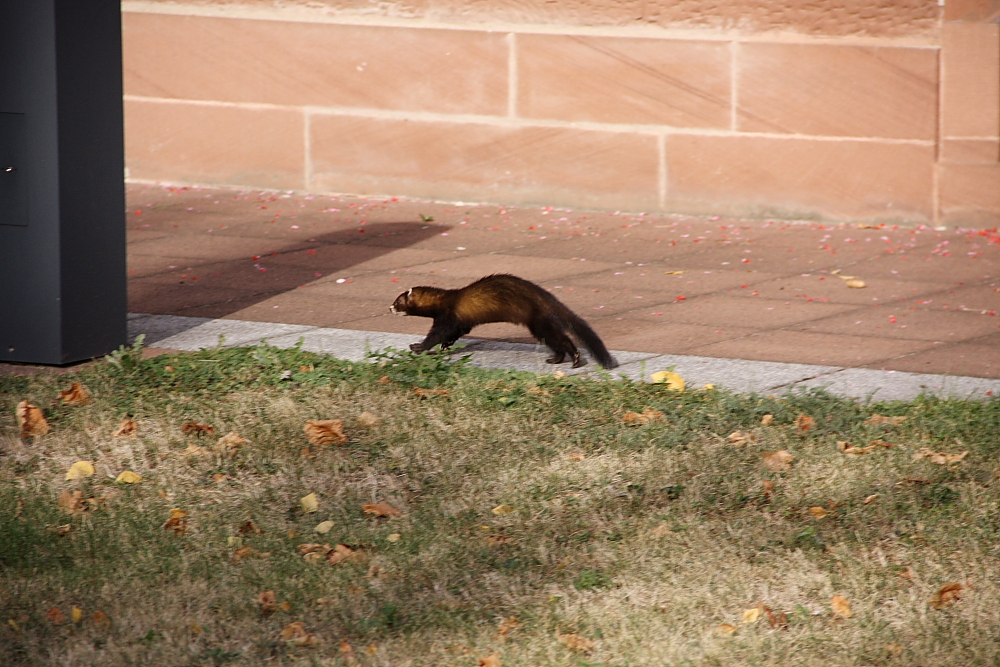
620 544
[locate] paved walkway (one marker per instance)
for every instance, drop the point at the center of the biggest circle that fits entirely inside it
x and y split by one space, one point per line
689 287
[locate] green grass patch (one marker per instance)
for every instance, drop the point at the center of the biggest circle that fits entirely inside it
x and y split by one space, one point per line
523 497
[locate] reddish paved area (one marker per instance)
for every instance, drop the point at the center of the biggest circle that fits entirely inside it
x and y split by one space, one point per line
760 290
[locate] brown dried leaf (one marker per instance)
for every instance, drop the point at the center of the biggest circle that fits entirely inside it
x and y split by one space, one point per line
230 444
870 499
766 420
294 634
325 432
347 653
312 547
177 521
55 616
768 488
849 450
268 603
804 423
725 629
507 625
940 458
492 660
777 621
73 502
31 420
367 419
249 528
877 419
947 595
575 642
197 429
381 509
499 539
841 606
647 416
126 429
778 461
576 456
818 512
102 621
740 438
339 553
75 395
427 393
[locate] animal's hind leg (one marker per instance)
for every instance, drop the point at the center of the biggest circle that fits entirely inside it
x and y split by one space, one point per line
557 340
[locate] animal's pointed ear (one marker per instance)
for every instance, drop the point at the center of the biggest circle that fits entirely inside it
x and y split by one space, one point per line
409 293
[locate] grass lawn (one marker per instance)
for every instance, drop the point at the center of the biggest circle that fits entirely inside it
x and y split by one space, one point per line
513 519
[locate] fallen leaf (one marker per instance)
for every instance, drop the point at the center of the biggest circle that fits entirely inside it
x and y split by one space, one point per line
177 521
947 595
384 380
80 469
219 478
31 420
817 512
725 629
268 603
101 621
393 537
76 615
246 553
673 381
309 503
126 429
751 615
367 419
673 273
73 502
575 642
339 553
195 451
324 432
576 456
230 444
804 423
766 420
249 528
855 283
893 649
347 653
427 393
324 527
294 634
75 395
768 486
381 509
877 419
849 450
660 531
55 616
197 429
777 621
940 458
841 606
870 499
128 477
64 529
740 438
499 539
501 510
778 461
647 416
492 660
314 548
507 625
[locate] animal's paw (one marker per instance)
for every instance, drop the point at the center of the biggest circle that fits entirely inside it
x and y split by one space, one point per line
417 347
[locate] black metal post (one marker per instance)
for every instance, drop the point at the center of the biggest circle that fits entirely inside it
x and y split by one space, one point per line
62 201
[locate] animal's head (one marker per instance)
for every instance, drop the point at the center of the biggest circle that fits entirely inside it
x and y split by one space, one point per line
401 306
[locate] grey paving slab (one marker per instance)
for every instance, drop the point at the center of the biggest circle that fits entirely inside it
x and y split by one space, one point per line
899 386
740 375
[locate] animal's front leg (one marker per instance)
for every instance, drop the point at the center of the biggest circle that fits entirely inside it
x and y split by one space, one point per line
443 333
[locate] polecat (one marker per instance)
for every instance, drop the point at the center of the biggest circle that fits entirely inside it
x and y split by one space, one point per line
501 298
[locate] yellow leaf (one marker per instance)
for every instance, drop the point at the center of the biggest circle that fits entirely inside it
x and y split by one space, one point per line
129 477
725 629
75 395
76 614
856 283
80 469
766 420
323 432
673 273
309 503
501 510
841 606
751 615
31 420
778 461
393 537
870 499
817 512
673 381
324 527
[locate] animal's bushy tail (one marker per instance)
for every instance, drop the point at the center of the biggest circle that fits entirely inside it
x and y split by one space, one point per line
592 341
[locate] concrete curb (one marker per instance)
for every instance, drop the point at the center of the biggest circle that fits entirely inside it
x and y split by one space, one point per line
740 375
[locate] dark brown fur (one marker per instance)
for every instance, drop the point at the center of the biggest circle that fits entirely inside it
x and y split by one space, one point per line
501 298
